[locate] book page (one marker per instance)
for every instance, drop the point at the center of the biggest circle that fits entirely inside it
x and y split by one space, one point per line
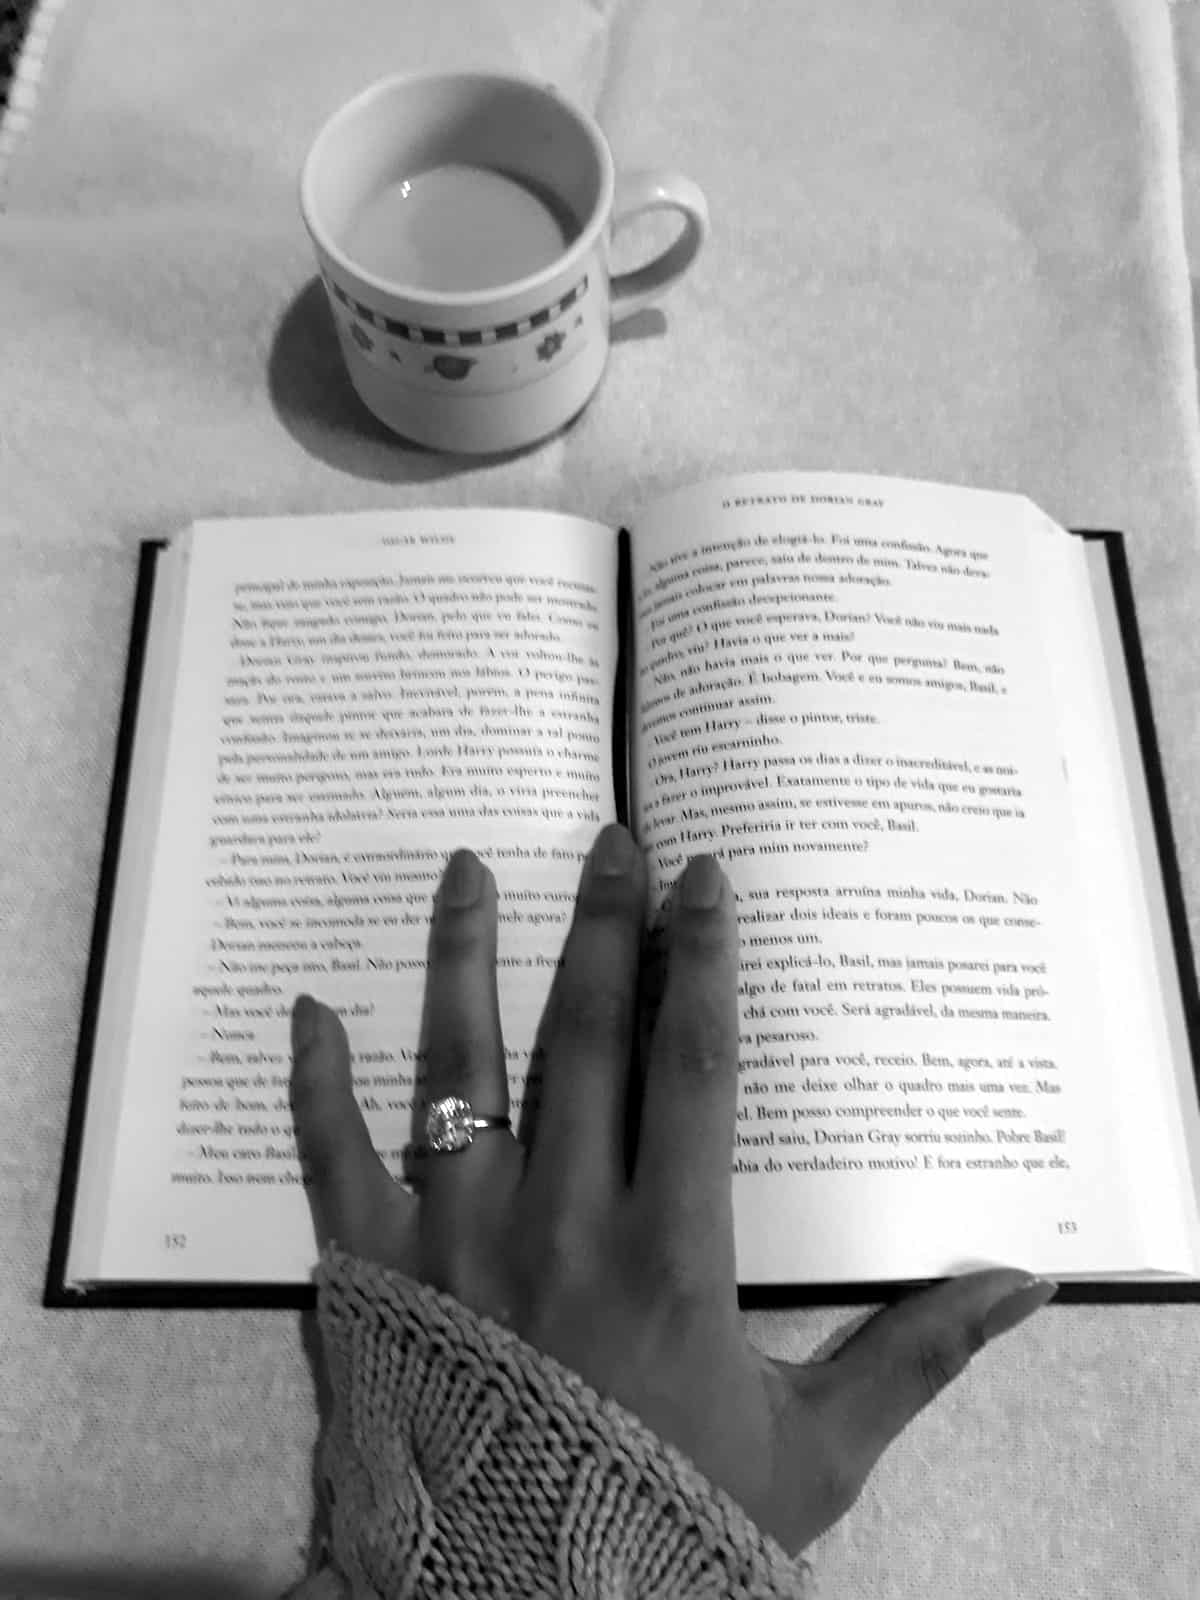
355 697
854 691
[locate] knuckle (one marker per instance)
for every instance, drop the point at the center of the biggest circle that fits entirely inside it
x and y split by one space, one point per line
606 896
454 1271
700 1044
942 1356
458 1054
706 933
679 1282
305 1088
556 1268
699 1057
456 934
595 1009
301 1078
562 1255
315 1141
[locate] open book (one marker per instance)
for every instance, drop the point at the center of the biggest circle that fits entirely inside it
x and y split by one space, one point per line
909 719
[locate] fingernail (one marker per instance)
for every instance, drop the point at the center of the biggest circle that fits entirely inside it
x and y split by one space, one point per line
613 854
701 886
463 882
1018 1304
306 1018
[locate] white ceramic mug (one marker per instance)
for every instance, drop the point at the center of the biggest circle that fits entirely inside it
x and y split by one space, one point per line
498 367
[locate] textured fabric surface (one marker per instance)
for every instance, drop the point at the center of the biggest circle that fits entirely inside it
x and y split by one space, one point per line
459 1461
947 242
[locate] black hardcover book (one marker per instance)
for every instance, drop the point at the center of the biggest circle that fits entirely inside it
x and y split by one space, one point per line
911 720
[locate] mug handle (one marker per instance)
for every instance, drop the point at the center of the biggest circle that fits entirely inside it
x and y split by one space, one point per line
637 193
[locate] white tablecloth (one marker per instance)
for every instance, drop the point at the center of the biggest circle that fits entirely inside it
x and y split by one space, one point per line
948 242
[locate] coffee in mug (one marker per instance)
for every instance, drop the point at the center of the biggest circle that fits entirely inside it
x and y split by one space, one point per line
462 224
458 227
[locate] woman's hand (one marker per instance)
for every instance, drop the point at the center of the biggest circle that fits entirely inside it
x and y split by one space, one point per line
621 1266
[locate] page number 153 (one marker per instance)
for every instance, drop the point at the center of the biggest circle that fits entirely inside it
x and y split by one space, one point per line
1066 1225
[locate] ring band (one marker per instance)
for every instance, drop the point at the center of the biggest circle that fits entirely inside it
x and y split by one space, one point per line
451 1125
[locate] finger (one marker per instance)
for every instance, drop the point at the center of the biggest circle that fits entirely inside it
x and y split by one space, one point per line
579 1144
461 1039
348 1180
682 1178
900 1360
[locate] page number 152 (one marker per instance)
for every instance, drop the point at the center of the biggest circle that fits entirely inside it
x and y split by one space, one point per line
174 1241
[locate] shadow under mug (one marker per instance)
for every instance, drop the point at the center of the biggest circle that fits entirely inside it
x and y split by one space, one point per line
485 370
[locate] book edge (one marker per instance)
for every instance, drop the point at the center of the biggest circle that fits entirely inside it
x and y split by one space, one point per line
56 1291
265 1296
1156 789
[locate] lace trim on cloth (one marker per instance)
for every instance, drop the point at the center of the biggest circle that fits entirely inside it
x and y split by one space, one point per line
459 1461
21 63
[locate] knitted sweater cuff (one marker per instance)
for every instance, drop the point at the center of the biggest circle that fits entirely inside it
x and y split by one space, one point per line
460 1461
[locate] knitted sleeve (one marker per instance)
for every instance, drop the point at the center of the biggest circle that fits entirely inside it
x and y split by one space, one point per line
460 1462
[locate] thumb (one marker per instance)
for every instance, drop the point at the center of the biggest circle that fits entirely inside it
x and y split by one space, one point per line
906 1355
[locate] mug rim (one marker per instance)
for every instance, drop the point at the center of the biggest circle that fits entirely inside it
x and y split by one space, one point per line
458 299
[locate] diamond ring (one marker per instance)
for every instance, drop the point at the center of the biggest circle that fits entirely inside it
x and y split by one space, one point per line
451 1124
